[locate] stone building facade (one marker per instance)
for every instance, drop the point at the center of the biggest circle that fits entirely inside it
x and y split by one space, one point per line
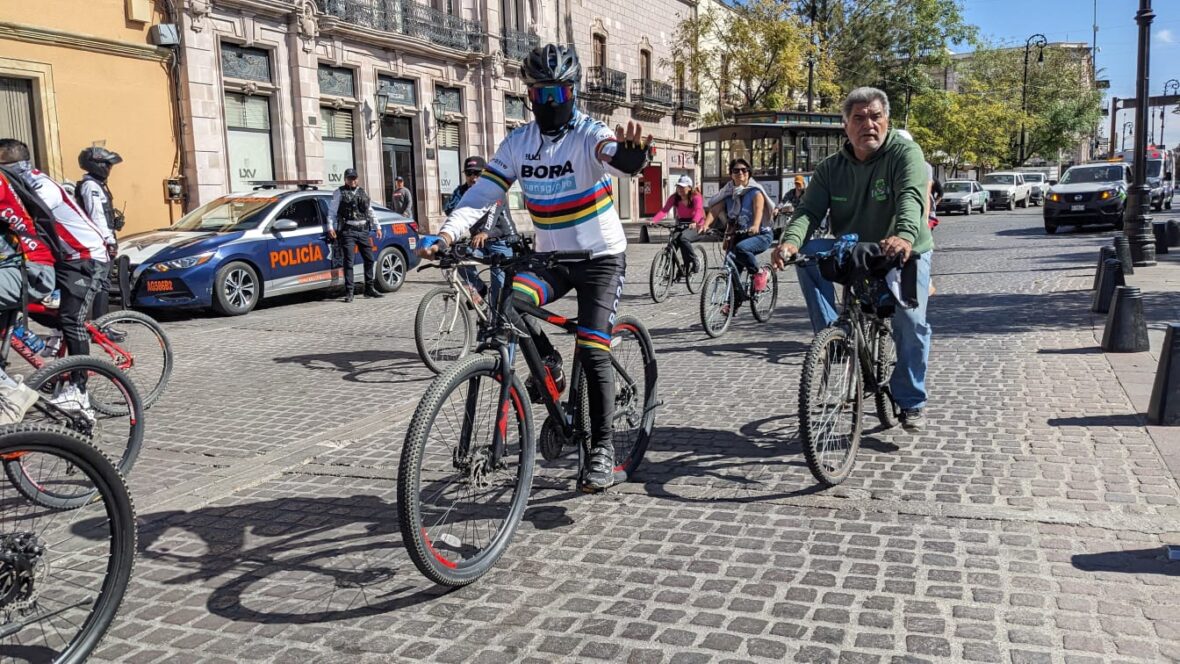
302 89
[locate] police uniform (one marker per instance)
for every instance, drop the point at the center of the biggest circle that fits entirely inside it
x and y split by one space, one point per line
350 216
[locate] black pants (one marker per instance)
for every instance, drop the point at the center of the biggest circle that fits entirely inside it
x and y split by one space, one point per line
683 241
79 281
359 238
599 283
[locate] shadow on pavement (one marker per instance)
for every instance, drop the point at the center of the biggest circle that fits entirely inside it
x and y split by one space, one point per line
1117 420
365 366
992 314
1137 561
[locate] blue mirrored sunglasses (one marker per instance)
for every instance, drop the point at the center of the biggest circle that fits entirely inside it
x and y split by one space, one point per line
551 94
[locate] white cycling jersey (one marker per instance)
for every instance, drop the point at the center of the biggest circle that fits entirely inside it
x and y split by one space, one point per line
566 187
83 239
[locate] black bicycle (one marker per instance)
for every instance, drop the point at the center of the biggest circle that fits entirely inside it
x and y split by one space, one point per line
850 358
729 283
667 267
467 467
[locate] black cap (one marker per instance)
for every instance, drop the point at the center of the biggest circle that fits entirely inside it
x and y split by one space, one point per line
400 179
474 164
349 173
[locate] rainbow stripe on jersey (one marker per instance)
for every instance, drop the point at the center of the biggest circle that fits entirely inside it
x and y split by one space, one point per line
568 211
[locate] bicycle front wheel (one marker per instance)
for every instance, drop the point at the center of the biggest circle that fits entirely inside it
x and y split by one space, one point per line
443 328
659 278
62 574
458 507
830 405
634 361
143 351
696 280
762 304
717 307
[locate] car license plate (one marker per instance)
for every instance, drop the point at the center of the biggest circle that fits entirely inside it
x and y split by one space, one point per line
159 286
1077 208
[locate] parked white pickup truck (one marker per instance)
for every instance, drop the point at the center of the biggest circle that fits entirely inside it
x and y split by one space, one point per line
1006 188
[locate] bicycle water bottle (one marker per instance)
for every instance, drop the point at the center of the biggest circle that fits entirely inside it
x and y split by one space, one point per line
29 338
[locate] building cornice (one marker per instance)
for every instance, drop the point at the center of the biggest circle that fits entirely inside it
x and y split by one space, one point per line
48 36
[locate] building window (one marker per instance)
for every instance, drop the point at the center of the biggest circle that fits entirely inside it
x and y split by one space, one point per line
512 15
645 64
247 122
16 112
402 91
448 159
451 98
247 64
764 156
337 81
515 109
710 165
599 55
336 128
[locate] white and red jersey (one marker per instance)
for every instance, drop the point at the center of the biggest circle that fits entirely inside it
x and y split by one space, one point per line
19 222
82 239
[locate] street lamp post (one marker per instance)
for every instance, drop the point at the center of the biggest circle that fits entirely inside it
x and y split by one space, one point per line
1127 126
1039 41
1136 215
1174 86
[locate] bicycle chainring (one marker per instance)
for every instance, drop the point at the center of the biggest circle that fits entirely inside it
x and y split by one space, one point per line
551 441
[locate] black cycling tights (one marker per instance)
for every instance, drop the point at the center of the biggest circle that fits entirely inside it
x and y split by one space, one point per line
599 283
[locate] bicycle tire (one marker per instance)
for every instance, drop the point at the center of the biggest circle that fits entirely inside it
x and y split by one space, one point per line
434 359
636 410
659 278
111 490
124 451
886 359
696 281
714 317
129 317
429 560
813 418
761 305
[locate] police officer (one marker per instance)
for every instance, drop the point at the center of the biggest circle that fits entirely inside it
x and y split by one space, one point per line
350 219
97 202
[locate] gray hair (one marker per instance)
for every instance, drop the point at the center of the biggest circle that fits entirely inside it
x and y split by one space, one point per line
865 95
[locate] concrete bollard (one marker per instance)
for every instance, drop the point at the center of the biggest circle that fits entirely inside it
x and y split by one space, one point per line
1173 230
643 237
1160 230
1164 408
1122 248
1126 329
1103 254
1112 277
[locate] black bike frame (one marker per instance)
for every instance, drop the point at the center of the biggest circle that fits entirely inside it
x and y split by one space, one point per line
863 328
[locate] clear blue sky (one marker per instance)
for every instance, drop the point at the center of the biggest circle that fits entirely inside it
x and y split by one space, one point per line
1011 22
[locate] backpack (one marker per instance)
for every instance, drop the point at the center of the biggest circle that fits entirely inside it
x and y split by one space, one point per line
42 216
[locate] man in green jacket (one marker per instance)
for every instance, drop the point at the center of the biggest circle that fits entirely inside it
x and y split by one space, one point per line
874 187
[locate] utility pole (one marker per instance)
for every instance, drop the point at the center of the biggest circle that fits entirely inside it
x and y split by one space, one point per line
1136 215
811 59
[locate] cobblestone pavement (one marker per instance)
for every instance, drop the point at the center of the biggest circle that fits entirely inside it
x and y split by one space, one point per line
1024 526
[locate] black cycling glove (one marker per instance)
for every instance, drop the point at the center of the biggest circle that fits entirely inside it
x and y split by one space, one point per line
630 158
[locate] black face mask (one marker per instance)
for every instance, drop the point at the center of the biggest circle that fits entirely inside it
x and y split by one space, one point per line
552 118
100 170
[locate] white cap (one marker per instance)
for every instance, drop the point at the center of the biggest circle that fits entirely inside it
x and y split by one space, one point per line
904 134
684 181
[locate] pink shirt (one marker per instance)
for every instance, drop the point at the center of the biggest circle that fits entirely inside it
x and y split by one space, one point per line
694 209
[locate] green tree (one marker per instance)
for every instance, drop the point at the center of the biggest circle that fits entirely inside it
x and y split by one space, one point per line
957 129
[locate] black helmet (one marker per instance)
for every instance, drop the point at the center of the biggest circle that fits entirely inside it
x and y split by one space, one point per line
98 161
551 63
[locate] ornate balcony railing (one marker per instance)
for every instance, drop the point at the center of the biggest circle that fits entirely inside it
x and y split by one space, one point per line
688 102
409 18
518 44
606 85
652 95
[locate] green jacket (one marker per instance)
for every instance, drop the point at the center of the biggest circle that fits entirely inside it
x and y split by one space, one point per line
875 199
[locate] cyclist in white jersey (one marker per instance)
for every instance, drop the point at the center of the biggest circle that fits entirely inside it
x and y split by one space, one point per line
562 161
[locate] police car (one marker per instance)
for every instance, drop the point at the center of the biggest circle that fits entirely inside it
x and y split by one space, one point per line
238 249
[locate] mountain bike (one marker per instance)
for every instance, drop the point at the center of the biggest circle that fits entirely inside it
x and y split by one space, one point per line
729 284
467 466
63 573
667 267
143 350
447 318
853 357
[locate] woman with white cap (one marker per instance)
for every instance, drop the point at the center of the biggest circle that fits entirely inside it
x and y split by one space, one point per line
690 215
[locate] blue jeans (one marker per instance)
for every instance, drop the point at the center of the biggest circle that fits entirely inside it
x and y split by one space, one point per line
911 332
471 273
745 253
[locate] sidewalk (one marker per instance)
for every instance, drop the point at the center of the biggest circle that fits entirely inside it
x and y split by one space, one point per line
1160 285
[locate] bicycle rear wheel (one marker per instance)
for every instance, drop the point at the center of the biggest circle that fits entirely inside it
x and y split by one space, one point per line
62 574
457 510
444 328
112 421
659 278
830 405
634 361
762 304
717 306
886 359
145 352
696 280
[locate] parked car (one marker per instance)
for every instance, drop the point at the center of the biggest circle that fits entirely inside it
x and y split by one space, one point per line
235 250
962 196
1038 184
1007 188
1088 194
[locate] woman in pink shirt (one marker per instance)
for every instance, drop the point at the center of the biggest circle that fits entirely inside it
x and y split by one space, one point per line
690 219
